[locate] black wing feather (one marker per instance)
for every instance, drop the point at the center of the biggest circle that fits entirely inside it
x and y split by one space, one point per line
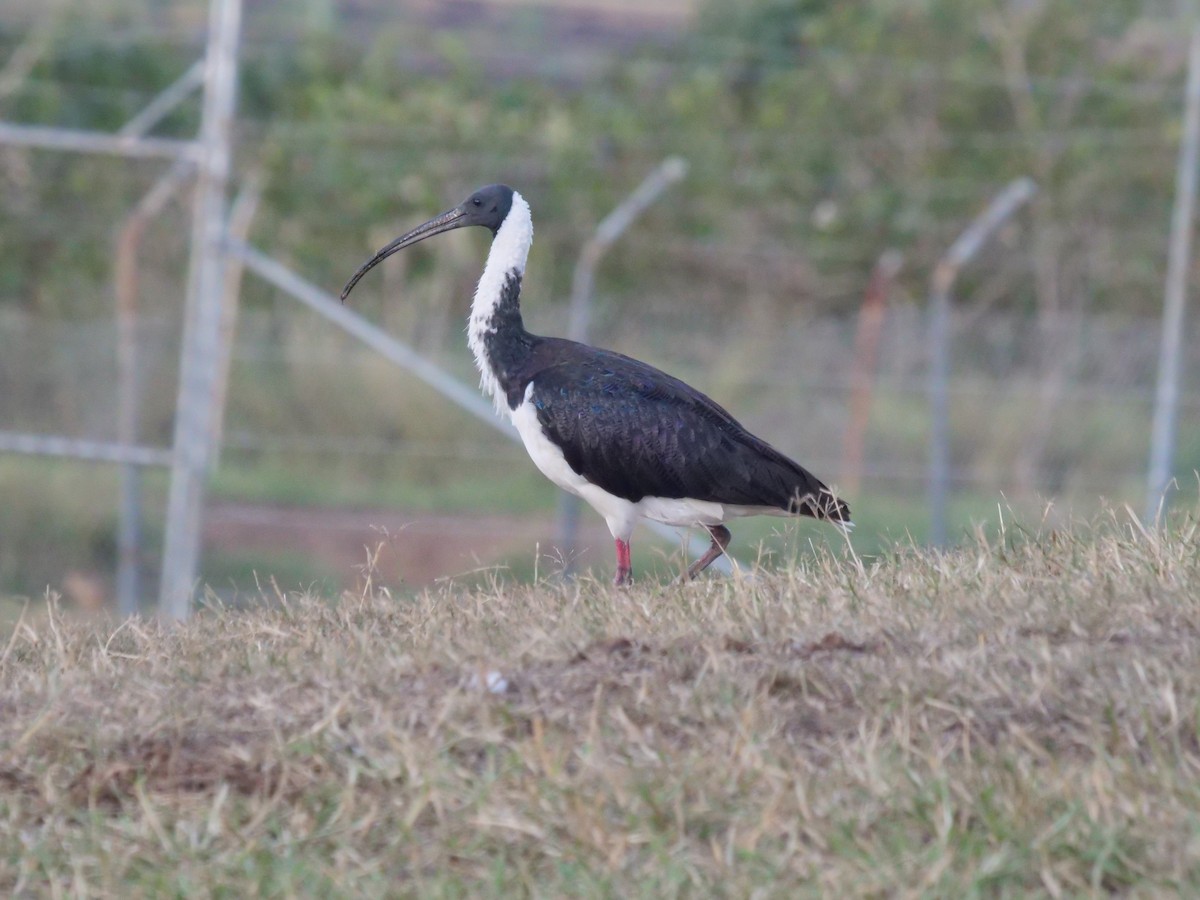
636 432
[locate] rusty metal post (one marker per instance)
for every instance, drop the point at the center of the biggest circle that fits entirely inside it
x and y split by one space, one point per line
129 519
866 354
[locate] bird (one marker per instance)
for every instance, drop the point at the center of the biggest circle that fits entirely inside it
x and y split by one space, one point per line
630 440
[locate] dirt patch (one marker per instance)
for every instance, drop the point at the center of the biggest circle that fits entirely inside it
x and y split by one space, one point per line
416 548
191 764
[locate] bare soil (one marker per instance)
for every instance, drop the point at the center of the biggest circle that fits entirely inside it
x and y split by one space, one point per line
416 547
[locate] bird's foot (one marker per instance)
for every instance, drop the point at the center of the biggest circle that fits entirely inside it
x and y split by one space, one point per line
623 578
720 540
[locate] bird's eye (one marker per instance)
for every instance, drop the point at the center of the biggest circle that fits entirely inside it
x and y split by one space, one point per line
477 201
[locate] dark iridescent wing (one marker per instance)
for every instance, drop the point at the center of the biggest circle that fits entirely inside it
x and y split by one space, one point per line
637 432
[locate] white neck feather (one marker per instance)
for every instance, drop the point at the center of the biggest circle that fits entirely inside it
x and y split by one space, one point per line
509 252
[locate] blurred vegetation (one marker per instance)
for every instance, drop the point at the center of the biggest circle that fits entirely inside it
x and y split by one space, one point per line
819 134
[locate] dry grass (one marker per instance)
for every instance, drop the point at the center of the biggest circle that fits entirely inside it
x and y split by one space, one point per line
1000 720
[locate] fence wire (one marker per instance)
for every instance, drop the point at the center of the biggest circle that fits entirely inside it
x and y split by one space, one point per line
309 407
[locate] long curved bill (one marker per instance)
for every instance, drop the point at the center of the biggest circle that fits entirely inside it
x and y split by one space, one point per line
447 221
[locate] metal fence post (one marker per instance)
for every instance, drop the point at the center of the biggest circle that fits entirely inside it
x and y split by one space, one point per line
867 333
669 171
198 364
241 215
962 251
129 519
611 227
1166 396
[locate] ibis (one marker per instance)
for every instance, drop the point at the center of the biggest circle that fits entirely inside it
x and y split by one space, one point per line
632 441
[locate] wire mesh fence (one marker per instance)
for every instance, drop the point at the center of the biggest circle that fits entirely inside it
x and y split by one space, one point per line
808 159
1040 411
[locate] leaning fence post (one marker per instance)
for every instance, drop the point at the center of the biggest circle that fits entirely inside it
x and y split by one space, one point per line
962 251
241 216
669 171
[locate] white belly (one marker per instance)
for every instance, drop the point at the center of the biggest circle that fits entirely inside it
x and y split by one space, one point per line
620 514
544 453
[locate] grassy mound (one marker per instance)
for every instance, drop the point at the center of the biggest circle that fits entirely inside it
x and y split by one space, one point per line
1015 717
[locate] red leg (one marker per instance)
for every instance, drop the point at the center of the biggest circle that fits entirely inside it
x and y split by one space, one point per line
624 566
